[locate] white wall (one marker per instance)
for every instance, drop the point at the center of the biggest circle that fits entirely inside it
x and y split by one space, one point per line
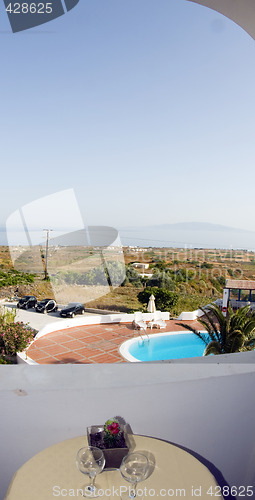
208 407
95 319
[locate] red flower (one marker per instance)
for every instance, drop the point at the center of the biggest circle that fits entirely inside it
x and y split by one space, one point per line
113 428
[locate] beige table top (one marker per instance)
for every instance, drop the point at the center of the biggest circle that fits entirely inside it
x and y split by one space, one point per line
52 473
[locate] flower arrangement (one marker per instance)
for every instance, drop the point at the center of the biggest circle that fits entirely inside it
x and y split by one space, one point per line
112 439
15 337
112 433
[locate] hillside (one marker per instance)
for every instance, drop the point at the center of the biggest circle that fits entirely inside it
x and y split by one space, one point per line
197 276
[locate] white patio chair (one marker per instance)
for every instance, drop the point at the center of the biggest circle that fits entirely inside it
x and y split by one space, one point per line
157 320
138 322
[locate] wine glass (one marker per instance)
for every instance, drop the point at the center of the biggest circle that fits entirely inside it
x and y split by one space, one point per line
91 461
134 468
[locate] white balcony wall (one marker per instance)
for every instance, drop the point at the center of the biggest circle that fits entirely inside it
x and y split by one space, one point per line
206 406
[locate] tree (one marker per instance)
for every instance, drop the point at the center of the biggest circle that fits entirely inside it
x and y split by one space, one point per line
160 264
132 276
115 272
162 280
225 335
164 299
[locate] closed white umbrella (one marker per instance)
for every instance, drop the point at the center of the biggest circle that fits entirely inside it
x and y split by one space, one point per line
151 304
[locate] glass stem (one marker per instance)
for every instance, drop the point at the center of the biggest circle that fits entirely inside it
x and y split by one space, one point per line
133 492
92 485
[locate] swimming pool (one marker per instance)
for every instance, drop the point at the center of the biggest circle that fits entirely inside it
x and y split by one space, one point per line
162 346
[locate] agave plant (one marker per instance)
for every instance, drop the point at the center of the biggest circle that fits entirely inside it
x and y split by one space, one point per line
225 335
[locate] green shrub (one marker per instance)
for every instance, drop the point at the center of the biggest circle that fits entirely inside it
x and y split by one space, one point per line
162 280
189 302
160 264
133 277
165 300
206 265
115 274
15 337
221 280
13 278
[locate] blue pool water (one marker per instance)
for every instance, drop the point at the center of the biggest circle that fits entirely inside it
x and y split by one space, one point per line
167 346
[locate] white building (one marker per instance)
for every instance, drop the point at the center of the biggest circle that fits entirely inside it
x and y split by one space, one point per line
140 265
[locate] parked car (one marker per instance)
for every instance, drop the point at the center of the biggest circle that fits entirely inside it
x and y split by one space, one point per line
46 306
27 302
72 309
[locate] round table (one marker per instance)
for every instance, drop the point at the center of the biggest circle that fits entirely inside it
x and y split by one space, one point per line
52 473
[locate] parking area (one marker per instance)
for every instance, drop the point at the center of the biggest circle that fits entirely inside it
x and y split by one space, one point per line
34 319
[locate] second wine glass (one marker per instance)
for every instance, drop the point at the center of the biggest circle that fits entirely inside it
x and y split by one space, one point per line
91 461
134 468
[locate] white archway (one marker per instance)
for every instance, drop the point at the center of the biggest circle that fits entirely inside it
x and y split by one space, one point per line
242 12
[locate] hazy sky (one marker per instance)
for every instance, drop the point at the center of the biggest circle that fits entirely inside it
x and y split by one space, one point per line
146 108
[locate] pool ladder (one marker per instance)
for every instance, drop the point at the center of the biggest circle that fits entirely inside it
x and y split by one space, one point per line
145 336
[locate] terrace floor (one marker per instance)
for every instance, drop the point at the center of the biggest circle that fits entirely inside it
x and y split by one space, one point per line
89 343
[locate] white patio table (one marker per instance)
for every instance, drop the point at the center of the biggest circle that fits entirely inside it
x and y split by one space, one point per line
52 473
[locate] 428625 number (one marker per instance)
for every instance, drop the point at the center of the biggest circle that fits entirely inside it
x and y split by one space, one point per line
233 491
32 8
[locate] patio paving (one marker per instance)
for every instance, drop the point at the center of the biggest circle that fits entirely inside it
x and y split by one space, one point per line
89 343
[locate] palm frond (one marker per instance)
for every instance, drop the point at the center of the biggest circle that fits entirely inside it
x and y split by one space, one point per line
232 333
249 327
235 342
193 330
212 348
240 318
211 322
249 342
208 329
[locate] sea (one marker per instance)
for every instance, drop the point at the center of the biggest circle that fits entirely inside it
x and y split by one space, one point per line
159 237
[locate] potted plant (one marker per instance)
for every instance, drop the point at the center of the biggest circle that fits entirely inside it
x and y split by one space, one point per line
112 439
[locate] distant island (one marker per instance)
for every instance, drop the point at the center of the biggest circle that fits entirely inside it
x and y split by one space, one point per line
198 226
188 234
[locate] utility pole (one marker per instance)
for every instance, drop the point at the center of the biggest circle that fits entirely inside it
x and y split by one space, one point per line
46 254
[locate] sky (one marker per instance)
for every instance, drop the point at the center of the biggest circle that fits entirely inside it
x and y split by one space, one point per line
144 108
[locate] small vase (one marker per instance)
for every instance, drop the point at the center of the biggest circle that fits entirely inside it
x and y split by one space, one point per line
113 456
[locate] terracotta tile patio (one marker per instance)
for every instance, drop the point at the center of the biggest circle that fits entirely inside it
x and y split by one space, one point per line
89 343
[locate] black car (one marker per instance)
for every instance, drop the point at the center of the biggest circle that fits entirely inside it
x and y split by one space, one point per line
27 302
72 309
46 306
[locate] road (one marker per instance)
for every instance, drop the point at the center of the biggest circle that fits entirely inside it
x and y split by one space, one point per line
35 319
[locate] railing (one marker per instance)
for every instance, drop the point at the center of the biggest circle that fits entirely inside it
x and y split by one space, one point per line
178 402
